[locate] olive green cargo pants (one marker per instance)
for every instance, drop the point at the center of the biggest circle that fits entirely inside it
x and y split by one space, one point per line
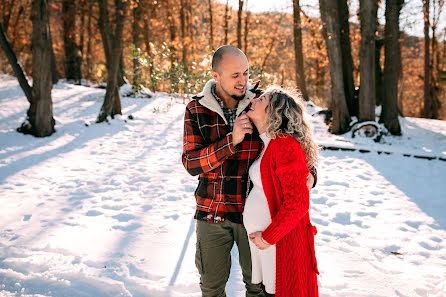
213 257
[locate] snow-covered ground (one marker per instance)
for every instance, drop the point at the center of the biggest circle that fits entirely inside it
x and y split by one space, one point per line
107 209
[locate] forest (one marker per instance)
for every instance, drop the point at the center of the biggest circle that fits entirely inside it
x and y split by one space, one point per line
348 67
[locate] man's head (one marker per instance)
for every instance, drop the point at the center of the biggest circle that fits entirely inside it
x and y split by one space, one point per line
230 70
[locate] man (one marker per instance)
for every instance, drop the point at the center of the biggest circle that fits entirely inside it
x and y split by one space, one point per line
219 145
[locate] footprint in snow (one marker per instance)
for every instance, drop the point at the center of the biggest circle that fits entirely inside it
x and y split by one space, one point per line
374 202
124 217
342 218
146 207
130 227
363 214
93 213
171 198
333 183
174 217
319 222
429 247
321 200
413 224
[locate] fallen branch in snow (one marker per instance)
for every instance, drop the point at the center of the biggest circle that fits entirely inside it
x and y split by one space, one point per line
337 148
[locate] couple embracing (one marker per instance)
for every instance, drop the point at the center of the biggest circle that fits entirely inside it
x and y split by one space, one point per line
255 159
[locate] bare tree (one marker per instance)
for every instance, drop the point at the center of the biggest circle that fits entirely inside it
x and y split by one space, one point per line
272 43
6 8
427 108
367 91
172 32
89 42
72 56
55 76
435 87
183 34
347 60
245 40
39 121
136 31
338 105
298 52
389 112
211 24
16 67
239 23
226 23
112 41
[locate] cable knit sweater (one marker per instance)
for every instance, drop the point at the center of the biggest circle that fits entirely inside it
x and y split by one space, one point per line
284 173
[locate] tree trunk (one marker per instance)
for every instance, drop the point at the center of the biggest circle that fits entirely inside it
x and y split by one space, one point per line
367 92
239 24
147 35
136 43
172 34
347 60
389 112
183 34
112 102
427 108
40 121
379 43
82 32
272 43
211 24
16 67
16 24
245 40
55 76
331 29
7 11
72 57
435 86
298 52
107 39
89 37
317 44
226 23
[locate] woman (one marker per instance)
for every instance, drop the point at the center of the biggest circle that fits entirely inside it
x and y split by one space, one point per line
276 210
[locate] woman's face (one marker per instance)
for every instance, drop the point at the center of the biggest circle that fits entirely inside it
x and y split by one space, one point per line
257 111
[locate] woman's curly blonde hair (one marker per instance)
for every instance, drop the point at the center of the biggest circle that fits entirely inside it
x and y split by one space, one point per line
285 115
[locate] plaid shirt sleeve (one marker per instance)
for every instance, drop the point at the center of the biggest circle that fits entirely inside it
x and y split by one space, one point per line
199 157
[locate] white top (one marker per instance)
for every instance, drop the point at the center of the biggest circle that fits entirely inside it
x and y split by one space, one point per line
256 216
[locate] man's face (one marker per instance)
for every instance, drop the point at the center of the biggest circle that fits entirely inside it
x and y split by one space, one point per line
232 75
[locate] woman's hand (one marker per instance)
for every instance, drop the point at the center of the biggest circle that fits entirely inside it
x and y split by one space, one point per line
257 239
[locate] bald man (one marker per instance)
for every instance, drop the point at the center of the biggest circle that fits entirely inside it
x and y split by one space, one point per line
219 145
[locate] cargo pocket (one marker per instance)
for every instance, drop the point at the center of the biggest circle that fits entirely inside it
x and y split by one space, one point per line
199 258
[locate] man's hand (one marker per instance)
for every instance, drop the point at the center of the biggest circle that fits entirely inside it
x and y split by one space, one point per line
257 239
242 125
310 181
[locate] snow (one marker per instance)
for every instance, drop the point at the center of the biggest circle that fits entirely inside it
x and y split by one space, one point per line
107 209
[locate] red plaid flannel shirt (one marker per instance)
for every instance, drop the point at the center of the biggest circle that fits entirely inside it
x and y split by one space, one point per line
208 152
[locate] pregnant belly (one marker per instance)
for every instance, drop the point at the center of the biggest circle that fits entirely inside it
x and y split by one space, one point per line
256 216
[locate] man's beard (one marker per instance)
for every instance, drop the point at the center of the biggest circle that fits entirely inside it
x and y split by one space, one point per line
238 98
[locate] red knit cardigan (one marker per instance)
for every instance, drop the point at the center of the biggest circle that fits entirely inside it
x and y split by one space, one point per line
284 173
